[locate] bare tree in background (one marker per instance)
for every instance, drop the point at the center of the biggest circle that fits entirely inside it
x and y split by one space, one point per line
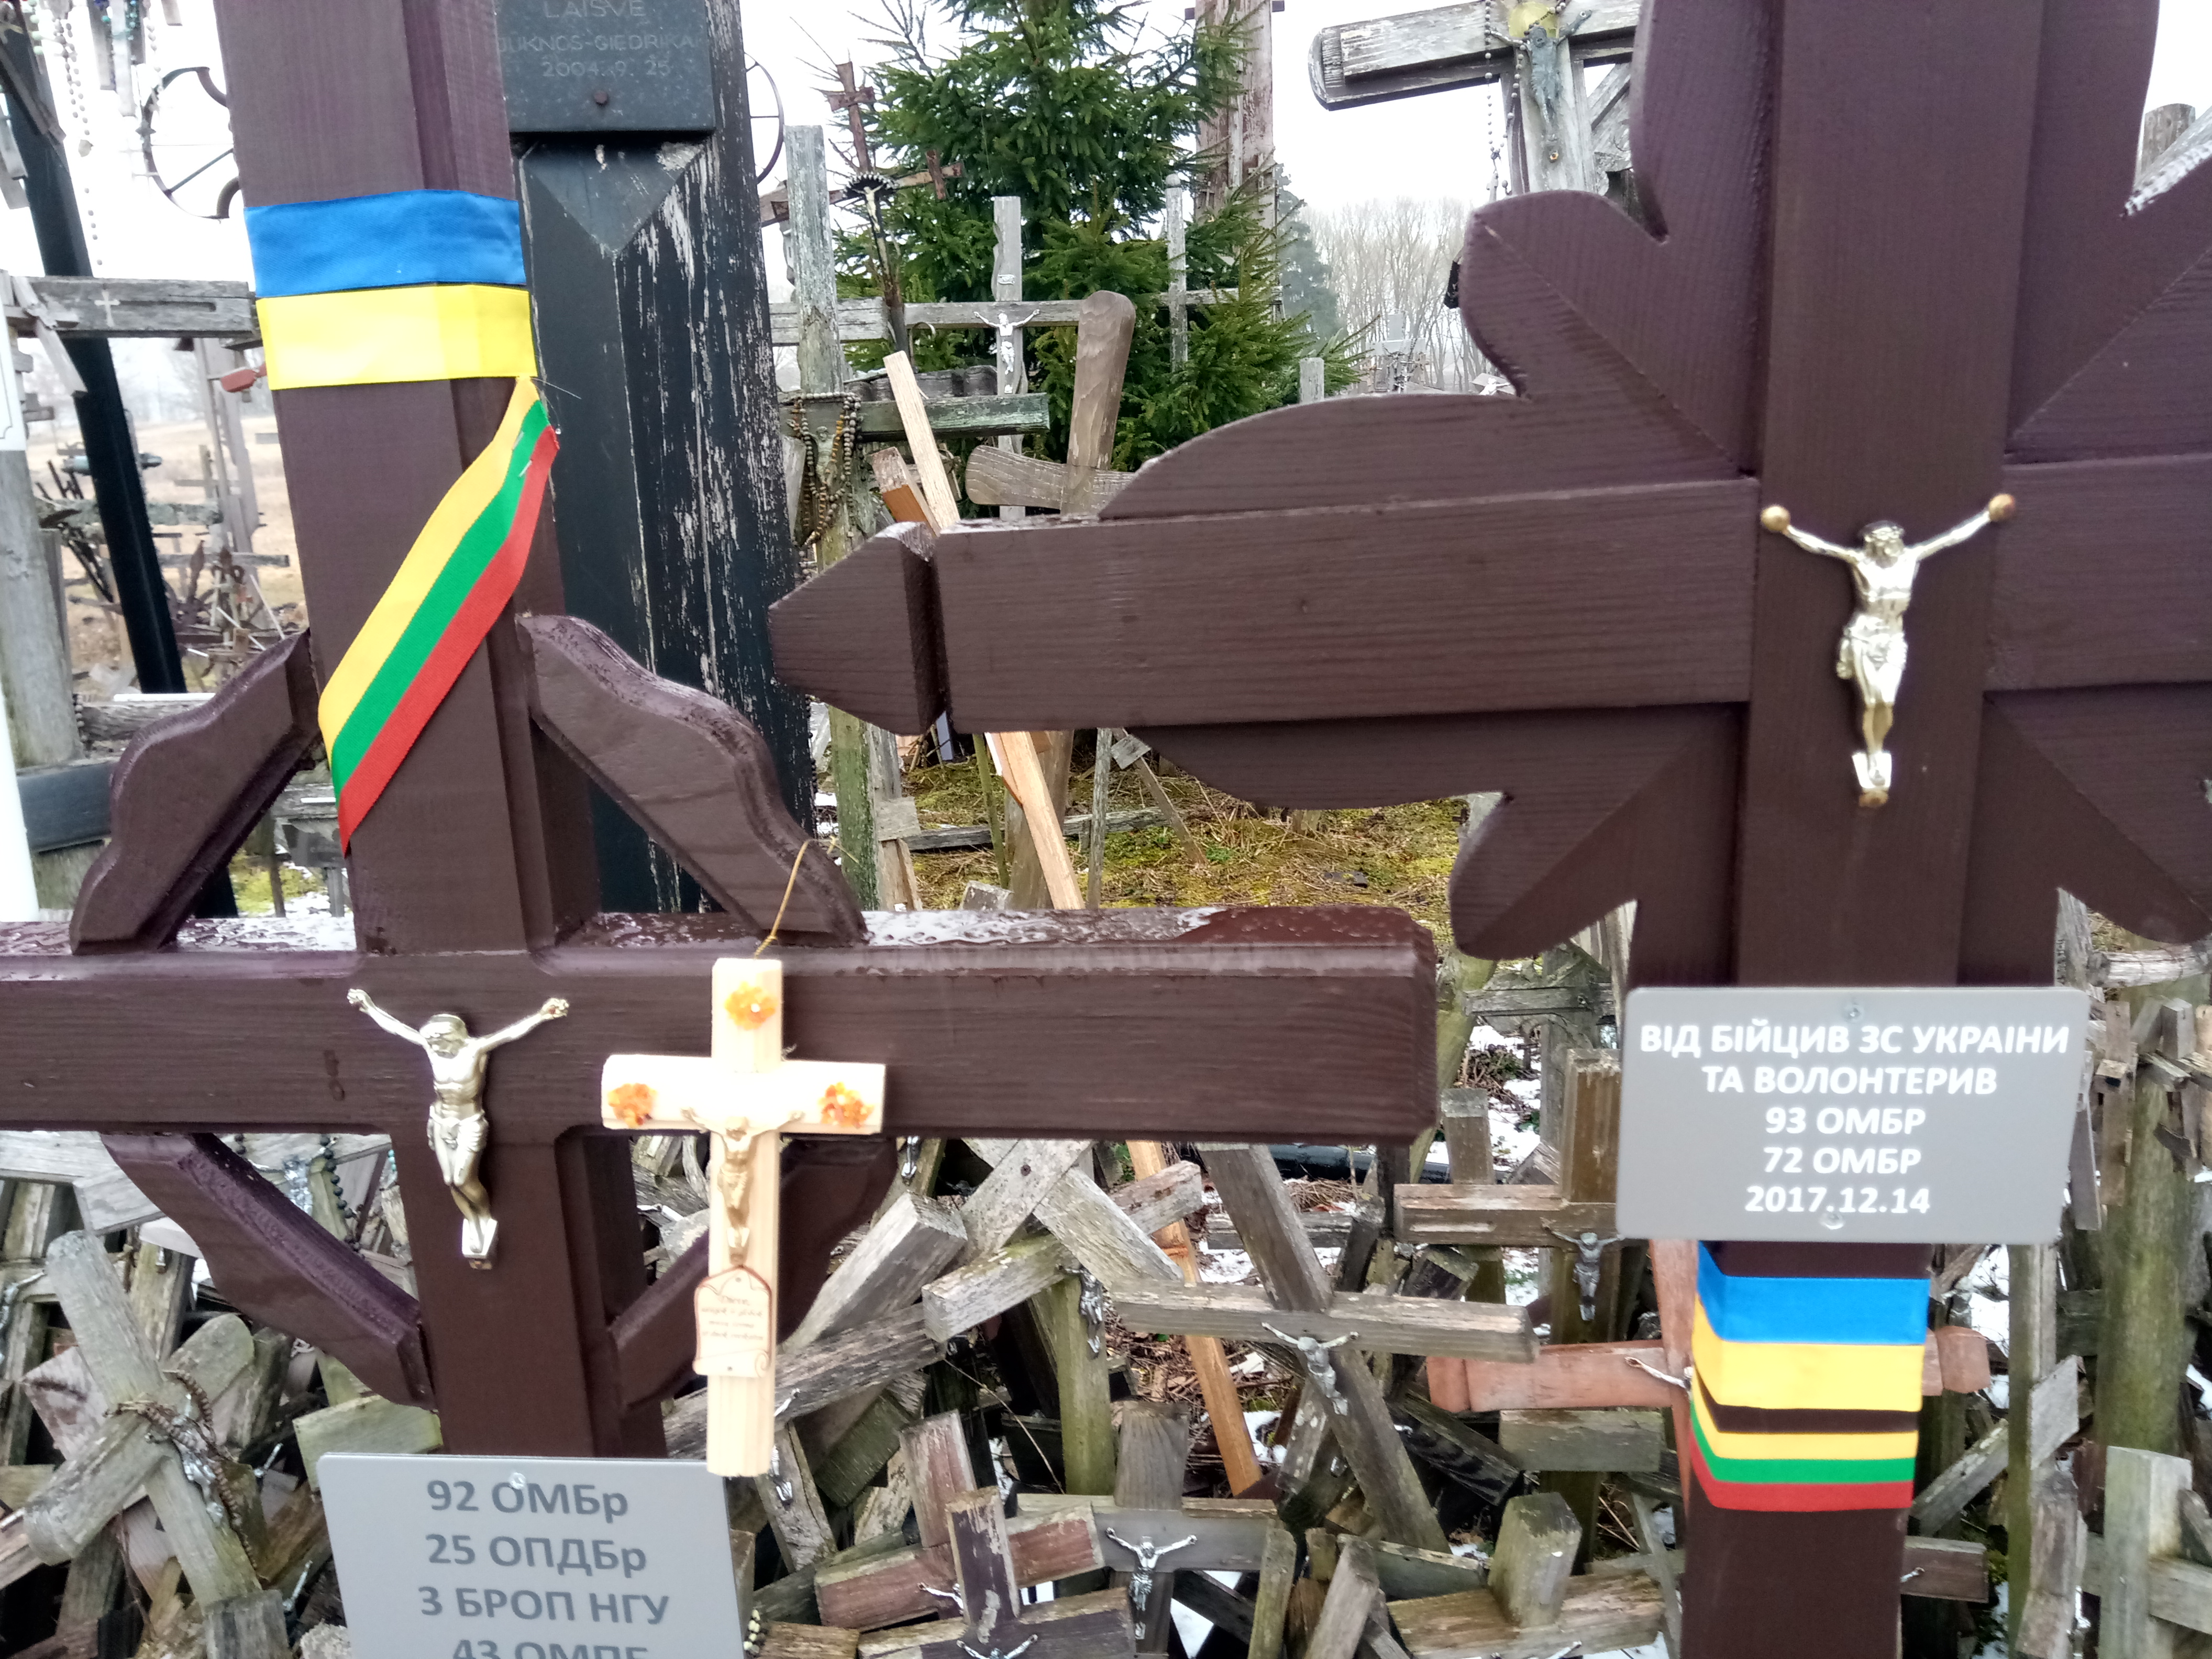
1388 262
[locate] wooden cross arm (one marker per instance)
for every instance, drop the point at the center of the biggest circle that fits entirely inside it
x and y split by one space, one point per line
1382 58
1471 1330
1648 590
1165 1024
673 1093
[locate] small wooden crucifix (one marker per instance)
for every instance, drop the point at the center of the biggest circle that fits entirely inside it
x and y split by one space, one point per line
746 1095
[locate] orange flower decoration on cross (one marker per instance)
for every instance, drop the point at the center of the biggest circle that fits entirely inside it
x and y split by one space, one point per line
749 1007
843 1108
632 1103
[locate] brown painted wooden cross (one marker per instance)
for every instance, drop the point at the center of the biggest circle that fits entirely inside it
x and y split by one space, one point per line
474 895
1890 304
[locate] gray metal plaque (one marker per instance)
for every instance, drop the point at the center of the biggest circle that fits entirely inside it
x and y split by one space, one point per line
532 1558
607 65
1848 1117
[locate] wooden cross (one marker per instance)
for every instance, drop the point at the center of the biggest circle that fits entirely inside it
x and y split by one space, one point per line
849 101
1557 139
746 1095
474 892
992 1603
1830 325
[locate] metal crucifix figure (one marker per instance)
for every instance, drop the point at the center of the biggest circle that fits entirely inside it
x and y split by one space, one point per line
1872 652
1148 1560
1316 1353
457 1126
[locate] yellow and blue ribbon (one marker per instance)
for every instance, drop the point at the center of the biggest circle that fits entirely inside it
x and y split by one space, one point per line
411 285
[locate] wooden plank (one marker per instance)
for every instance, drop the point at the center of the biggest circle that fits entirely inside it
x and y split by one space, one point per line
272 1260
1086 1412
1518 1217
2053 1415
1373 61
107 307
1353 1593
1001 477
1254 1193
998 1208
794 1502
1600 1613
939 1470
1619 1441
1566 1376
917 426
964 417
1225 641
1535 1554
2142 1524
1096 1230
2179 1593
1106 324
1220 1543
1455 1450
868 1591
1947 1569
843 1470
1201 987
366 1424
1150 1458
913 1240
2057 1547
1225 1406
1277 1565
1395 1324
106 1199
214 1560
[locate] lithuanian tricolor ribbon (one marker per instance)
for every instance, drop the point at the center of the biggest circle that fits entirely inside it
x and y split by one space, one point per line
1804 1389
450 589
414 285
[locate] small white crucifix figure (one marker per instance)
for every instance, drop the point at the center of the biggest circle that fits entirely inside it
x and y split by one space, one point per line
746 1095
1872 652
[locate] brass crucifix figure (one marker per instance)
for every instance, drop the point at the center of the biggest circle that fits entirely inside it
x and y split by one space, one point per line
1872 652
457 1126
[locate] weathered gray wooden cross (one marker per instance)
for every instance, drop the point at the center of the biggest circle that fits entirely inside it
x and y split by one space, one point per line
1560 136
1810 317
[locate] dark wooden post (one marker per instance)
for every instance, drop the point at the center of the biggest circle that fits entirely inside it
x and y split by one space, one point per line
640 215
475 847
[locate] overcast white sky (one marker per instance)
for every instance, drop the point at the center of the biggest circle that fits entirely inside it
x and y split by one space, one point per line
1423 147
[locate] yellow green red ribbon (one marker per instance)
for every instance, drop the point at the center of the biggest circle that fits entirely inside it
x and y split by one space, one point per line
450 589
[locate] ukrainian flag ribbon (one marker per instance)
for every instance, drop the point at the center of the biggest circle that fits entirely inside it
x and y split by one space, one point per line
414 285
1806 1390
450 589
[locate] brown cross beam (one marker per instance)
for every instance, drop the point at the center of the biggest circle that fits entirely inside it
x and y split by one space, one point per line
1566 595
473 888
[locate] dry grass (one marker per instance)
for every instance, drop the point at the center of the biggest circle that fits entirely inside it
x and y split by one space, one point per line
1394 855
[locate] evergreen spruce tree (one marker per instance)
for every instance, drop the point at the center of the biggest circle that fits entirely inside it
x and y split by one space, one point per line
1068 105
